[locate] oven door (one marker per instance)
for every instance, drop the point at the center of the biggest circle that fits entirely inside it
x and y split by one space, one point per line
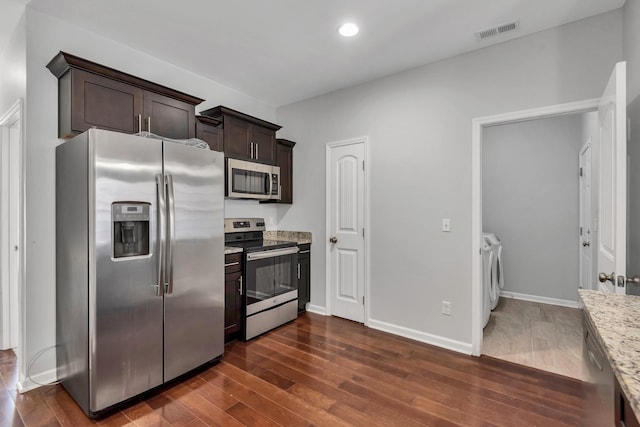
270 278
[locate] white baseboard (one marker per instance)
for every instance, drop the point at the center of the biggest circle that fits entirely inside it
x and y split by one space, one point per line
317 309
543 300
458 346
37 380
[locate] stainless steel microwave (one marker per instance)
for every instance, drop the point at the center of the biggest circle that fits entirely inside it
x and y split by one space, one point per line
249 180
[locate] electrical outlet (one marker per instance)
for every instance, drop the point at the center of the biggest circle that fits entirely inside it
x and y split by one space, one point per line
446 224
446 308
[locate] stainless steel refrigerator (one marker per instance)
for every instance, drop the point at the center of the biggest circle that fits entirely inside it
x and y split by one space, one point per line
139 264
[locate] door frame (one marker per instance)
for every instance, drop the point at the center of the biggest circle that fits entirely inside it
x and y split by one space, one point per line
17 322
367 225
477 126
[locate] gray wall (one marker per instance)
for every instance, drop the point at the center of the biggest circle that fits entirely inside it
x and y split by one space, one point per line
13 68
530 200
419 127
631 46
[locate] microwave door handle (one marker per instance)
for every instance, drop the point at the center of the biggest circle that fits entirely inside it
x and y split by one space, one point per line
270 177
161 228
171 234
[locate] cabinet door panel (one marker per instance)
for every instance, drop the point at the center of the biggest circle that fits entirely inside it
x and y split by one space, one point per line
104 103
232 303
169 117
284 159
304 281
265 139
236 138
211 135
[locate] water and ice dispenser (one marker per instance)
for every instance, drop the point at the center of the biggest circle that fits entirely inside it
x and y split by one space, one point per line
130 229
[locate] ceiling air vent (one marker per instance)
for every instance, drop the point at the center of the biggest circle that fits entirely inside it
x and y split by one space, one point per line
497 29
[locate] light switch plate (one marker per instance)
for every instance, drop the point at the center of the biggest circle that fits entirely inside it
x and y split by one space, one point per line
446 224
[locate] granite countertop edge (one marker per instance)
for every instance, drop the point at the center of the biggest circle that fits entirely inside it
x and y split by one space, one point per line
616 320
228 250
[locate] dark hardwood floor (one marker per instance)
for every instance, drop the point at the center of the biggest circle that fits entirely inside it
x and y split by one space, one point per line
326 371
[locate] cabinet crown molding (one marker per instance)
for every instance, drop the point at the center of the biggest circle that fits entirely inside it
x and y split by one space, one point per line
221 111
63 61
286 142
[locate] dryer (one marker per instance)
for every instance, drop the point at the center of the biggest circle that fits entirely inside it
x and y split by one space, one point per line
487 264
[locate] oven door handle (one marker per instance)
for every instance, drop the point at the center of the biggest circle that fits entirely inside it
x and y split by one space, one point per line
253 256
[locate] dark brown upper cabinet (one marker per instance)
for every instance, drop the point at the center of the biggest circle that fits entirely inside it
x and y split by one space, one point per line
246 137
210 131
284 159
92 95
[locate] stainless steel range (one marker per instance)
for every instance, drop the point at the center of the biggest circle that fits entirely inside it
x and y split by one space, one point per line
270 298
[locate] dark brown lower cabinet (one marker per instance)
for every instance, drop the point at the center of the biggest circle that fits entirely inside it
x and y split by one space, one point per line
304 276
233 289
624 413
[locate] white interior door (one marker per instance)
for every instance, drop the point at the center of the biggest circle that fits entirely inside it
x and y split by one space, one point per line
345 180
612 235
586 276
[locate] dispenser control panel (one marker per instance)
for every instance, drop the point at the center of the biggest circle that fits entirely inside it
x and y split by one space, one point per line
130 212
130 229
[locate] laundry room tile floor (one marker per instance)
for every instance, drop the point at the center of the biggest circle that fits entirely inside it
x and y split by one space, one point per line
542 336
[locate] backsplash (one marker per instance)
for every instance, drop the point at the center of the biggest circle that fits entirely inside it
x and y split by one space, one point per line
300 237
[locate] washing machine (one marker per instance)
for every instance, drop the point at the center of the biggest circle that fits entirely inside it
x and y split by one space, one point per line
487 264
497 271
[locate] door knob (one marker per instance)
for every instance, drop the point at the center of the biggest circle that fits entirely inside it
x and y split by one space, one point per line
604 278
622 280
333 240
585 243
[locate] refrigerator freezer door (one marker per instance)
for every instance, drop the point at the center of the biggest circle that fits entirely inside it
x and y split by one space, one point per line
194 303
125 311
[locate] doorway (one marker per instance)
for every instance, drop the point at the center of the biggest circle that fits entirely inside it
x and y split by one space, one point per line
347 202
11 230
477 223
531 194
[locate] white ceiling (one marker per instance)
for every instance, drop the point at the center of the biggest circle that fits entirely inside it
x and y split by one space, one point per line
282 51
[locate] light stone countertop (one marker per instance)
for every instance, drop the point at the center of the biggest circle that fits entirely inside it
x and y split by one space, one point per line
616 319
300 237
231 250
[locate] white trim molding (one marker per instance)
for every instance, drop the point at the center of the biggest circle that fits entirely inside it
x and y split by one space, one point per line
477 125
449 344
317 309
46 377
543 300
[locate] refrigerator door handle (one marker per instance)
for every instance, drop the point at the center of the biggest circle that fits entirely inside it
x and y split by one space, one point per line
161 229
171 234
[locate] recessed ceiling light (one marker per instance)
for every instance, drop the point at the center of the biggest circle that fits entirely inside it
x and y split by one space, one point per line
348 29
